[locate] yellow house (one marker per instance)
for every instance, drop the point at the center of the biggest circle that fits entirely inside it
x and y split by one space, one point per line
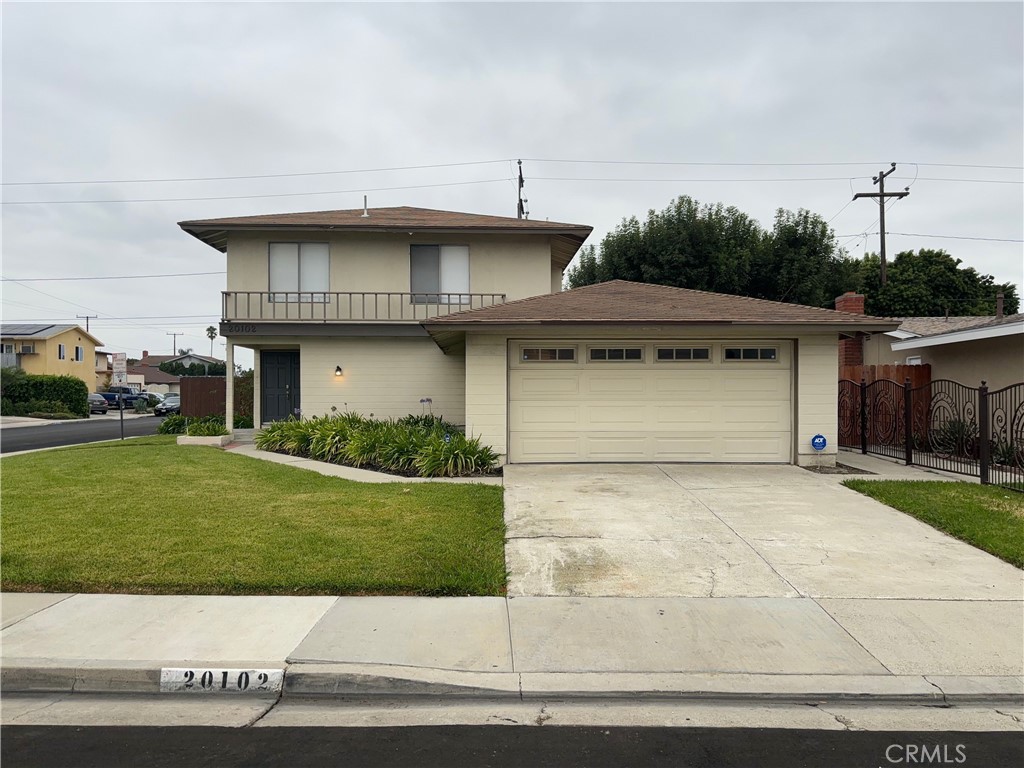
58 350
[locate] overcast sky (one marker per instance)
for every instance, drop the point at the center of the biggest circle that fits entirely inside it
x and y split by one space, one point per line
96 91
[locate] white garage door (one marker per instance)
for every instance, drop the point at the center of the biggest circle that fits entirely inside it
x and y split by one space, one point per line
708 401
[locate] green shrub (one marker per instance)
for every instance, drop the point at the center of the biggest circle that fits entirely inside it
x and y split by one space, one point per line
53 416
141 405
6 406
243 421
20 387
205 427
414 445
452 454
173 425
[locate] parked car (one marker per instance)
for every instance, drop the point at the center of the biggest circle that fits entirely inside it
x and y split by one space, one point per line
123 396
98 403
171 404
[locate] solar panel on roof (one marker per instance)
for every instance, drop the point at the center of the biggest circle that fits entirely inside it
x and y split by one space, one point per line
23 330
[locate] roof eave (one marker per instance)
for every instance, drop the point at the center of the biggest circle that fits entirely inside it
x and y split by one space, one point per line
955 337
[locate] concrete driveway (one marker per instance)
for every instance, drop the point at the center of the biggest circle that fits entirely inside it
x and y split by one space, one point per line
678 530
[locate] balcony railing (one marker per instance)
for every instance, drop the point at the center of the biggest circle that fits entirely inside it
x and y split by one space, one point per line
354 306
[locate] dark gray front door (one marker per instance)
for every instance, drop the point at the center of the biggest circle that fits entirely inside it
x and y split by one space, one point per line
279 384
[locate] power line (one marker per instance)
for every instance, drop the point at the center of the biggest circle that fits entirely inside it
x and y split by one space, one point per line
255 176
771 180
941 237
249 197
108 277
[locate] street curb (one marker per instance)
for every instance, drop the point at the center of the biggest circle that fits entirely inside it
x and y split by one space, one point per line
391 682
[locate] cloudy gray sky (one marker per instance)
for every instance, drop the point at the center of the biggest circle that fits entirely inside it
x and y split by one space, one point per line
95 92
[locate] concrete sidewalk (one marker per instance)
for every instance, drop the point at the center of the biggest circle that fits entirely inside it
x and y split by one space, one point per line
18 422
770 649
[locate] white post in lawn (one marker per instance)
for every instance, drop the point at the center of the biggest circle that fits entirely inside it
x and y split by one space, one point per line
229 386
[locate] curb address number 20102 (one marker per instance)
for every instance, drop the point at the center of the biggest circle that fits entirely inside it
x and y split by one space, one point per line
221 680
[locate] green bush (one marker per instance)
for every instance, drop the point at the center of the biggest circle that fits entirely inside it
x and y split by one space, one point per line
415 445
53 416
32 407
243 421
20 387
173 425
6 406
141 405
452 454
206 427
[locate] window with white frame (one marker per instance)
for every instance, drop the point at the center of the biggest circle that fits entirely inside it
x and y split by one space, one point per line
683 353
914 360
748 354
299 271
439 274
8 349
62 352
79 354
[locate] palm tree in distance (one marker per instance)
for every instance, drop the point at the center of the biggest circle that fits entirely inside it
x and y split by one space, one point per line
211 334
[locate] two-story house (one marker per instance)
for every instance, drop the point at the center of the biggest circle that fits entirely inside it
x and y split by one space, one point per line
392 311
59 350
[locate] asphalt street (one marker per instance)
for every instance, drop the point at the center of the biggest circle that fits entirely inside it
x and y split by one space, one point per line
498 747
74 433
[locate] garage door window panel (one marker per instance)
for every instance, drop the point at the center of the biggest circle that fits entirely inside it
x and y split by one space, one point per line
684 354
616 354
750 354
548 354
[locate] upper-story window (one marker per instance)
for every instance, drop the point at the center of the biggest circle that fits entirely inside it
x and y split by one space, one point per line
62 352
439 274
79 354
299 271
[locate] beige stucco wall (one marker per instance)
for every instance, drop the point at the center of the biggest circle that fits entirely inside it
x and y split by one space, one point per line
385 377
817 398
999 361
45 361
487 390
519 266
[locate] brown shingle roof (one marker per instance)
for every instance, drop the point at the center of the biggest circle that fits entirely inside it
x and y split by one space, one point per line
621 301
928 326
400 219
153 375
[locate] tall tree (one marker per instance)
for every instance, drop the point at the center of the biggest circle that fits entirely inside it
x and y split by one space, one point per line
931 283
211 334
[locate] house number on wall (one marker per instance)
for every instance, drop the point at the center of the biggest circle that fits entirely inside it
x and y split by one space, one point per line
181 680
241 328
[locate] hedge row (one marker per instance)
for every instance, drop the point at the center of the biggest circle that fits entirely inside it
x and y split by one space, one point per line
18 387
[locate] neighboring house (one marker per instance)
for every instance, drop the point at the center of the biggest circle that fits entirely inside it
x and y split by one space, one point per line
967 349
62 350
187 359
153 379
353 310
104 370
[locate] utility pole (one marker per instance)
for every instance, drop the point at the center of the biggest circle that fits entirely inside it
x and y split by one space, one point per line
522 210
175 334
86 318
881 196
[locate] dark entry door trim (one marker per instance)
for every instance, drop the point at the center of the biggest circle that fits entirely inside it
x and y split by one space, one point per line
279 384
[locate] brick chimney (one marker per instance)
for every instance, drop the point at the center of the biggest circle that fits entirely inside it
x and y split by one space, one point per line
999 305
851 351
851 301
145 352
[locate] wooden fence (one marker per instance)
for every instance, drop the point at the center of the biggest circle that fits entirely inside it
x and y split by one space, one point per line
919 375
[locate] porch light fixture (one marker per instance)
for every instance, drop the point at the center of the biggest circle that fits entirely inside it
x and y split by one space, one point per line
337 370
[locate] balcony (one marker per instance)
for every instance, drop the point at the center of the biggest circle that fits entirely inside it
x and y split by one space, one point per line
351 307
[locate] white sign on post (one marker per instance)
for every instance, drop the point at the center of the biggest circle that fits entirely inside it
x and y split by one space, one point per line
120 368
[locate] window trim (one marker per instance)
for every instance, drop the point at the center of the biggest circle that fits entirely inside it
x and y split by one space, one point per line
700 360
558 348
79 354
62 352
623 359
759 347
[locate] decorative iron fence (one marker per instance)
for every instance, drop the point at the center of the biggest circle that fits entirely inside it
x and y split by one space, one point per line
942 425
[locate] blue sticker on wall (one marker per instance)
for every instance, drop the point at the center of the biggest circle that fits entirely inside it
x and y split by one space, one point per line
818 442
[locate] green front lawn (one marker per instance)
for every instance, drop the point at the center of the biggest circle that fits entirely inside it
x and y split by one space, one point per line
986 516
149 516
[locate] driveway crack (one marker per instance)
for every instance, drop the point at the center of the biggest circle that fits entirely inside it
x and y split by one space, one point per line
846 722
1009 715
945 701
